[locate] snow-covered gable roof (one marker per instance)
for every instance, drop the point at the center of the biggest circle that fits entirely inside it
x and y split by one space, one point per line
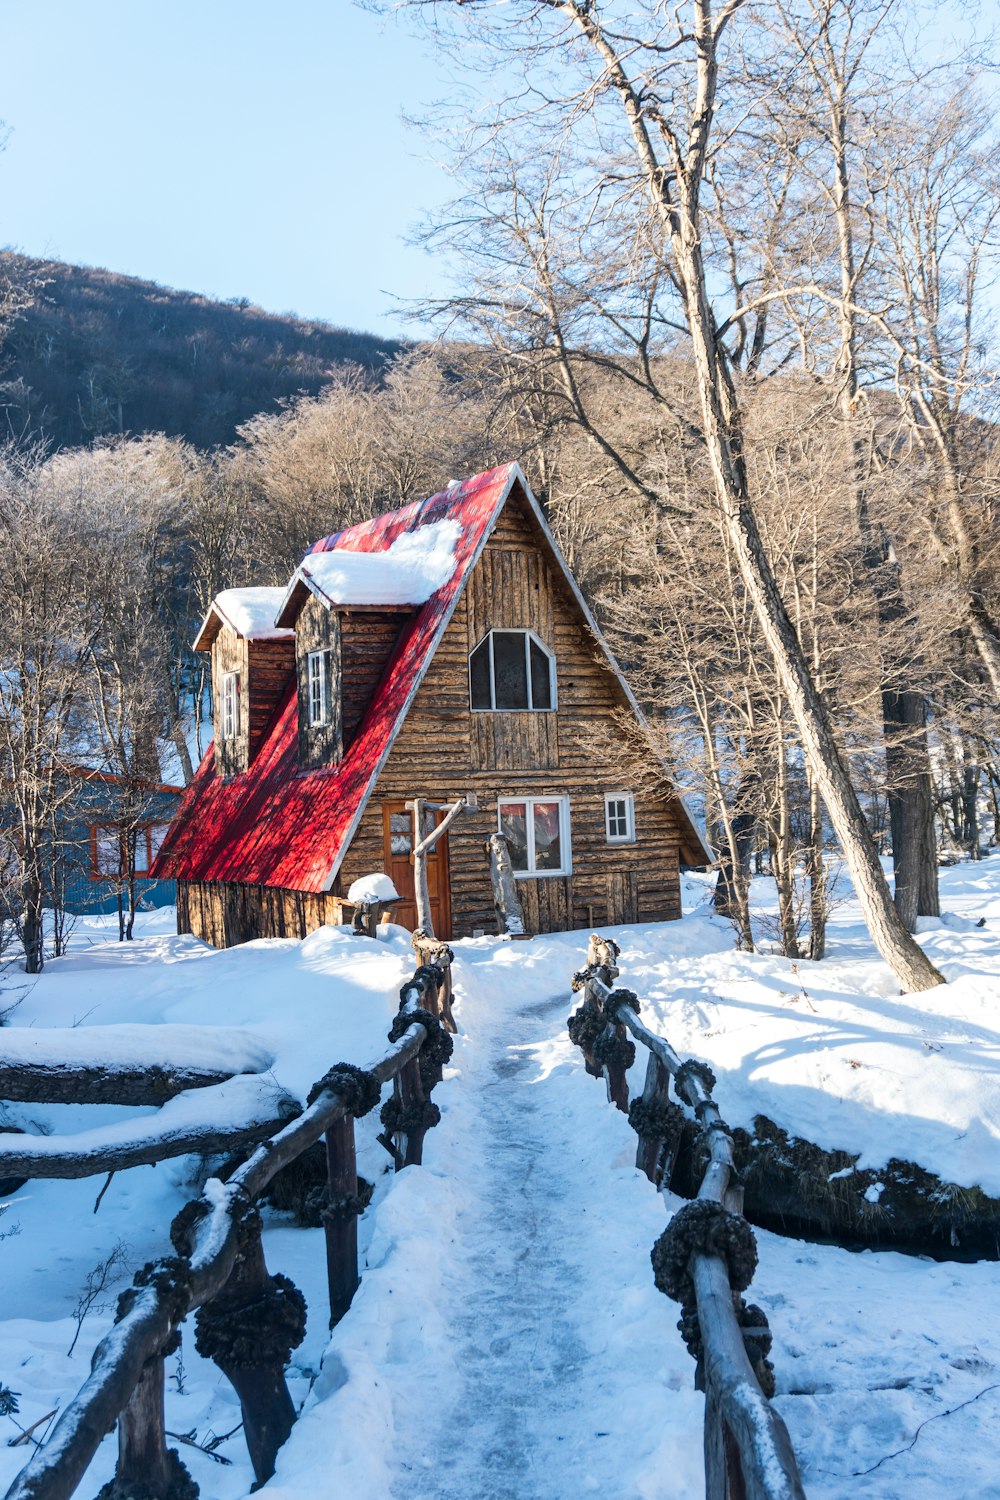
277 825
408 572
250 612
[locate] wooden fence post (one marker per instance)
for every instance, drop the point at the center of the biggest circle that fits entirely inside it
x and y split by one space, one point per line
249 1329
658 1123
340 1217
431 952
146 1466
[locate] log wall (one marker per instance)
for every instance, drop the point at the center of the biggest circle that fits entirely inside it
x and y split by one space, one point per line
225 915
444 751
270 664
367 639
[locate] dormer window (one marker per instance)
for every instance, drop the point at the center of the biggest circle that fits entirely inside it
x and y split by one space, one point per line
511 670
230 705
319 687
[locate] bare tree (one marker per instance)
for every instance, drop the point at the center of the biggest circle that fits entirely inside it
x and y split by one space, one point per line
643 87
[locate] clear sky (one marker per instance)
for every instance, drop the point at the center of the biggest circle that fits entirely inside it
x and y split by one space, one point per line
231 147
240 148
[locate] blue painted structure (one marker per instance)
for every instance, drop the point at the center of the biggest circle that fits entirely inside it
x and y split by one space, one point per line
88 829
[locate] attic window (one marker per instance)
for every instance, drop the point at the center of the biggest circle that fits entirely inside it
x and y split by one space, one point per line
510 670
230 705
319 690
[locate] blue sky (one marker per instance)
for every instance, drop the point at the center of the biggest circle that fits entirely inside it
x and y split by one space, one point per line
237 147
232 147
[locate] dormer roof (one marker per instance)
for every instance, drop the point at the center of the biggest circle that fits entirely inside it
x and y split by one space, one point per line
413 567
249 612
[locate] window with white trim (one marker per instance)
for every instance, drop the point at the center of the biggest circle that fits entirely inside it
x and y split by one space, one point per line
619 817
537 834
512 670
318 672
230 705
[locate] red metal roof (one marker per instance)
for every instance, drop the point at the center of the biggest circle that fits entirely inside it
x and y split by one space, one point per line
278 826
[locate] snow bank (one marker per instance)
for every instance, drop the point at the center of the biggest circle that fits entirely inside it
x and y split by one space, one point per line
251 612
223 1049
373 888
242 1103
416 565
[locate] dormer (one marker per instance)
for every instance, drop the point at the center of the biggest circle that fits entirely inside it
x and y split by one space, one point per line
252 660
347 610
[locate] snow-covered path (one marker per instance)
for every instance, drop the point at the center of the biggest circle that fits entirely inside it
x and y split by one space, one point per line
535 1408
515 1378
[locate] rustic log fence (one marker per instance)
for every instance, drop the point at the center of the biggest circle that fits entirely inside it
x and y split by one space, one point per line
248 1321
706 1257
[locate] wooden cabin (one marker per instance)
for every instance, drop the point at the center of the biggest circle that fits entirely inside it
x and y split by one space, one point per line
440 651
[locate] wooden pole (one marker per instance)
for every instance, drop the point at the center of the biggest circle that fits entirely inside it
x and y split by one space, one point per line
249 1330
420 889
655 1154
146 1466
340 1220
510 914
430 952
422 845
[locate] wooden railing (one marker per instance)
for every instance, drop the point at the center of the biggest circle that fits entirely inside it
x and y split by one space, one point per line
707 1256
248 1320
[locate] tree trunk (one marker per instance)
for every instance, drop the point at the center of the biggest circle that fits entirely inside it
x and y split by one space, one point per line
722 428
911 805
818 894
32 924
970 803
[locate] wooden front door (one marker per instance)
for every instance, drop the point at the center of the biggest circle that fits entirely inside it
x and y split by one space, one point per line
398 829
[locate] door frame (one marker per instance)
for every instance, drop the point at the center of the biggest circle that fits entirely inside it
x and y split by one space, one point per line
438 867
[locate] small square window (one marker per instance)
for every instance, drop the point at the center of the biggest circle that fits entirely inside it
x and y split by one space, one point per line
619 818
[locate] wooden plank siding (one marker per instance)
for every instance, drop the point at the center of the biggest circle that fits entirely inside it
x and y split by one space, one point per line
444 751
227 914
367 639
230 654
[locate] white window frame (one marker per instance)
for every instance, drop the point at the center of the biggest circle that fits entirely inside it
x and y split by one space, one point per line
550 657
564 835
318 673
230 705
629 800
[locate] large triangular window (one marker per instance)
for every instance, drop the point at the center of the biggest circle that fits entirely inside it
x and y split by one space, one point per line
510 670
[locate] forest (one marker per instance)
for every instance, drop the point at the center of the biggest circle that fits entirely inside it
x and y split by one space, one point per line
739 338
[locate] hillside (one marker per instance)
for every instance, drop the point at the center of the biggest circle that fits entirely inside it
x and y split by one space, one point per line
100 353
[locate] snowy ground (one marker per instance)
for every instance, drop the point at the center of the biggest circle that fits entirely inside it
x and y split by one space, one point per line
507 1340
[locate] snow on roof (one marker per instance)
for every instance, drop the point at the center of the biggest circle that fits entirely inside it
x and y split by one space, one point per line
409 571
251 612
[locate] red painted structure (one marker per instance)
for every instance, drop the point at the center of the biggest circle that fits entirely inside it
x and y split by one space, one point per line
276 825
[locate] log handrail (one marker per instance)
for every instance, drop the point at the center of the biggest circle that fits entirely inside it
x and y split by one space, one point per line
748 1452
159 1307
